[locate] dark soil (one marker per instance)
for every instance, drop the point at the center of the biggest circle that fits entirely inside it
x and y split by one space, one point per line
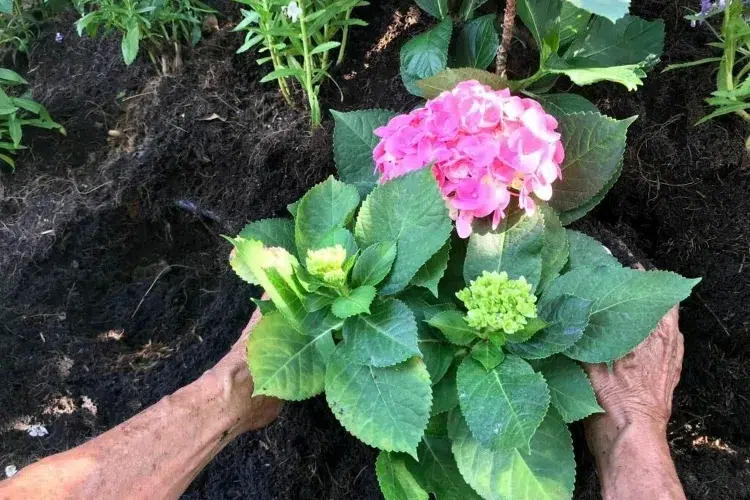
115 287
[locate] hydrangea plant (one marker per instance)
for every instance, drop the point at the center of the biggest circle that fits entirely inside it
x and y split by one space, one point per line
454 352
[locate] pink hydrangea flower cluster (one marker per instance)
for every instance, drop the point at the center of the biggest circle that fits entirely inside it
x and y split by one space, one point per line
486 147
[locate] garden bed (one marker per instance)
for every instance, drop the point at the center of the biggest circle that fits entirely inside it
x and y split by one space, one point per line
115 286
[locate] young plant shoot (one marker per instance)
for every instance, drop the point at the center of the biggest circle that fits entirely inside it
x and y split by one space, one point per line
158 26
733 77
448 349
17 113
298 39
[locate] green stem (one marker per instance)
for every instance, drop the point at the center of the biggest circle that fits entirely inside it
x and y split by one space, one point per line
730 46
274 55
519 85
312 99
326 34
344 37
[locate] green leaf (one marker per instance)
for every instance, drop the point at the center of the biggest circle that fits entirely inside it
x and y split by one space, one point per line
565 104
533 325
327 206
250 262
627 306
396 482
468 7
573 21
453 325
384 338
541 17
325 47
569 388
488 354
631 40
6 104
611 9
29 105
357 302
265 306
9 161
477 43
447 80
445 393
14 129
282 73
11 77
430 274
570 216
410 211
272 233
130 42
425 55
513 248
353 142
503 406
288 361
555 248
374 264
437 354
317 301
567 317
435 8
83 22
585 251
387 408
690 64
545 472
437 472
593 145
584 72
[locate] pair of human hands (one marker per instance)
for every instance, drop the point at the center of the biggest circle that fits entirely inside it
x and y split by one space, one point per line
635 393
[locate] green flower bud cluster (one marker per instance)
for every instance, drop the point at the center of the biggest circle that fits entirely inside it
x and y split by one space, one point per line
497 303
327 264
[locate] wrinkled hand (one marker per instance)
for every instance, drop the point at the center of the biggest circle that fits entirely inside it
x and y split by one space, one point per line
252 412
637 392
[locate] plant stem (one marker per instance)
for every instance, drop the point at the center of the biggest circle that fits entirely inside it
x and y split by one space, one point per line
730 47
274 55
312 99
344 37
518 85
509 19
326 31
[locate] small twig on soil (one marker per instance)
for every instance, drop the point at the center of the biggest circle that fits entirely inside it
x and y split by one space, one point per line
139 95
721 324
161 273
509 20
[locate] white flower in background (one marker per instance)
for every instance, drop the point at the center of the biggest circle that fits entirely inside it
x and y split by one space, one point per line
11 471
293 11
37 430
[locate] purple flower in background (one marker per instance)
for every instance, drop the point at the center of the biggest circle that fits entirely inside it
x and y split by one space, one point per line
59 38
